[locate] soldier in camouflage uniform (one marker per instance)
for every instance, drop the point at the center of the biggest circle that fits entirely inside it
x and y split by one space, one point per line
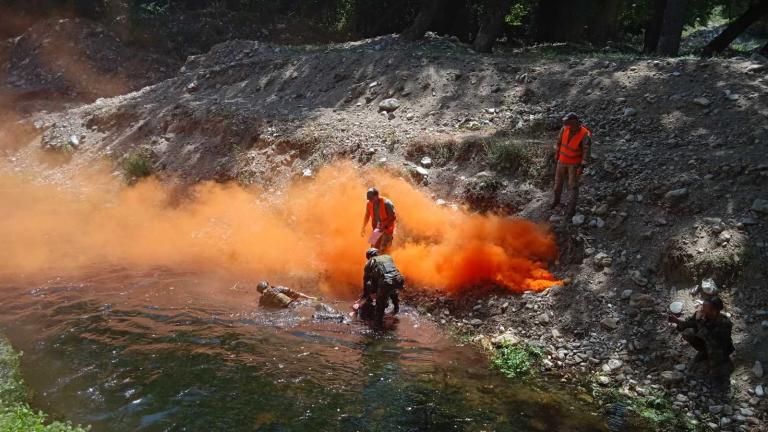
709 332
381 277
278 296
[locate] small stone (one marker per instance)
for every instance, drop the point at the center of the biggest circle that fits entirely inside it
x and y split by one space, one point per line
681 367
759 392
676 307
603 260
746 412
760 206
74 140
306 172
505 339
702 101
708 286
627 293
676 196
578 219
603 380
610 323
672 377
638 300
638 278
757 369
389 105
476 322
612 365
629 112
426 162
193 87
715 409
555 219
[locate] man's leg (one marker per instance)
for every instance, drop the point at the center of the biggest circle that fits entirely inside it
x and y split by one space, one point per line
382 300
697 343
559 178
384 243
573 189
395 297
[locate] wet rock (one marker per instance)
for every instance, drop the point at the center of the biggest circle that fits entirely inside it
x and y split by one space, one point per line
676 307
389 105
702 101
641 301
672 377
760 206
426 162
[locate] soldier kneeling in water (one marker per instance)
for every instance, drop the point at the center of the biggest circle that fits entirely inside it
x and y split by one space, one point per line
278 296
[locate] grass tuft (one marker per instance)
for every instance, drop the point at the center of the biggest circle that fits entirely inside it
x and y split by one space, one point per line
137 165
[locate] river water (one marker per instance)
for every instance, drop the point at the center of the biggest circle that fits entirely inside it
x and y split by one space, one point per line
158 350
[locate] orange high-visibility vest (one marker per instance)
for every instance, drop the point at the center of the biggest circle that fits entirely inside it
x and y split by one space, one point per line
570 151
383 216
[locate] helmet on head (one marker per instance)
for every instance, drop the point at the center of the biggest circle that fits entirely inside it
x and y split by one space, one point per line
571 116
262 286
372 193
370 253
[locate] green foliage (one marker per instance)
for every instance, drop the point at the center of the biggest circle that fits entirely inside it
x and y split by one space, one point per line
518 12
156 8
508 156
517 360
655 407
15 414
136 166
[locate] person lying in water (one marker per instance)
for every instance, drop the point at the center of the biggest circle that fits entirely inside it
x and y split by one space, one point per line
278 296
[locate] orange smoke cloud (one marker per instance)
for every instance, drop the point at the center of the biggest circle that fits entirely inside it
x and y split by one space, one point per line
310 232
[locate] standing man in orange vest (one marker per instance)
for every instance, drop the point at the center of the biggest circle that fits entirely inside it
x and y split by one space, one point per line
381 212
572 153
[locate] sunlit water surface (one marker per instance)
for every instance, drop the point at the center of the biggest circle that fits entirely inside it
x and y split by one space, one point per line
167 351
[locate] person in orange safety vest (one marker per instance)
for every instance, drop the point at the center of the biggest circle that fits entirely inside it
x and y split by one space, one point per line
381 212
572 154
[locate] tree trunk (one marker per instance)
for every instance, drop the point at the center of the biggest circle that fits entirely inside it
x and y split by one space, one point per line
491 25
653 27
427 13
605 21
735 28
672 28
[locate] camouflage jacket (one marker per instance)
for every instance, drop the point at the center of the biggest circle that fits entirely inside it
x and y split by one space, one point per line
715 333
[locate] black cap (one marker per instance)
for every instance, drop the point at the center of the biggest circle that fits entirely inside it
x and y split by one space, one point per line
570 116
372 193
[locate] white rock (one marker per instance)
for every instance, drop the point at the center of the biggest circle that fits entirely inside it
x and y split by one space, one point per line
578 219
676 307
389 105
708 286
74 141
757 369
426 162
629 112
759 392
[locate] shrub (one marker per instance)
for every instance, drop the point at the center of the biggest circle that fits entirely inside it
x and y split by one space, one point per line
137 165
517 360
508 156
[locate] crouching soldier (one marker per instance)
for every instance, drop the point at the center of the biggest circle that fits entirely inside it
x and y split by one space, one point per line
278 296
708 332
381 277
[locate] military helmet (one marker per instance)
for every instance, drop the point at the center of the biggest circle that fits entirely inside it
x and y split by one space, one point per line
372 193
262 286
370 253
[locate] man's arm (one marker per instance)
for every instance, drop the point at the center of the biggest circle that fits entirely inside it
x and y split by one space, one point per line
587 146
294 294
367 282
391 215
688 323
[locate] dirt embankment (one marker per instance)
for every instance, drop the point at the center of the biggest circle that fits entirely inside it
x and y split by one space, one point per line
674 194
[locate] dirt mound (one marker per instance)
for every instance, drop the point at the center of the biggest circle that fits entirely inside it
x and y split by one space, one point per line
75 59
